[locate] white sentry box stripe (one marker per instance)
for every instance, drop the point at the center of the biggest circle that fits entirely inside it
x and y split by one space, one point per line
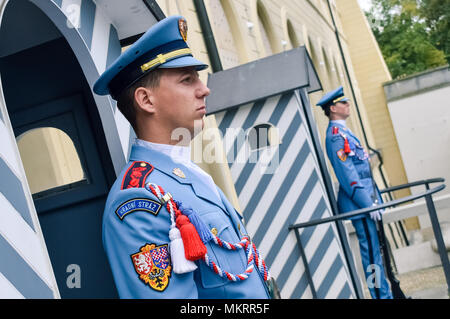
25 241
7 289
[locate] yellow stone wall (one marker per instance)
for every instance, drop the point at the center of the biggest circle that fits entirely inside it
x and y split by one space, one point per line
246 30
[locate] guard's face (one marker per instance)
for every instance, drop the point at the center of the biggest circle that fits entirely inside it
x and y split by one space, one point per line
180 99
342 110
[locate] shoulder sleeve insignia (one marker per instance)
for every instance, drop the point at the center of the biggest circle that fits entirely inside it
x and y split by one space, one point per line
138 204
342 155
136 175
152 264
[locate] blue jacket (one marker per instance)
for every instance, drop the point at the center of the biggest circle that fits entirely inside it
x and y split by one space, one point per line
136 234
352 169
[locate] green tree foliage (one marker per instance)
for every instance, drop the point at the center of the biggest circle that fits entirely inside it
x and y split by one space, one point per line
404 35
436 15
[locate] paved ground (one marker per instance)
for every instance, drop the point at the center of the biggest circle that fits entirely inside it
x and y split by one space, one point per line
423 284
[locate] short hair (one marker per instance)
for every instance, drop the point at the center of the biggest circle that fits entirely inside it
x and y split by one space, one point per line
326 110
126 102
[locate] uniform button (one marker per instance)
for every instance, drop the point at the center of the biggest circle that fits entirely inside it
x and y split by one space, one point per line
214 231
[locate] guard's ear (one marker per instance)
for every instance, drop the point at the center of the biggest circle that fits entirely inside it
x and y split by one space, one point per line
144 99
333 108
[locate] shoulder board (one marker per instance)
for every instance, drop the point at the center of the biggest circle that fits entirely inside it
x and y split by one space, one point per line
335 130
136 175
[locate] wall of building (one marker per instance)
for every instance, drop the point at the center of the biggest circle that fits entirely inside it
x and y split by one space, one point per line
420 112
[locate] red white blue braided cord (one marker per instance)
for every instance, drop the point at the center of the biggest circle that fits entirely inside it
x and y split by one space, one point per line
250 248
252 254
225 274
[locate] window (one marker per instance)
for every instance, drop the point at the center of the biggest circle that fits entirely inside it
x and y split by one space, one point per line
262 136
50 160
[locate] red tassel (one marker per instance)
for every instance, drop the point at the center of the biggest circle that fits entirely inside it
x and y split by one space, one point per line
347 149
194 248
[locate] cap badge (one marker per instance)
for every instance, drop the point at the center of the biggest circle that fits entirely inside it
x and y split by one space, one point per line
182 25
178 172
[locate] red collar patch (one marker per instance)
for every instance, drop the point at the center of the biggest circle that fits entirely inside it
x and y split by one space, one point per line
136 175
335 130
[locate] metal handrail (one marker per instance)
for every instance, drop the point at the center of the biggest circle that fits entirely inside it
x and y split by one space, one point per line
389 190
368 210
365 211
413 184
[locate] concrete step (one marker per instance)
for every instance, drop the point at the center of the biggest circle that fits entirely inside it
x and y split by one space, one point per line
422 252
416 257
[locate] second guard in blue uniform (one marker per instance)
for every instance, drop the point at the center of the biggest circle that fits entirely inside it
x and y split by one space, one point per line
168 230
357 188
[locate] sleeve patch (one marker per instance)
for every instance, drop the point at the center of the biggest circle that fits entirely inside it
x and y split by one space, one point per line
138 204
342 155
152 264
136 175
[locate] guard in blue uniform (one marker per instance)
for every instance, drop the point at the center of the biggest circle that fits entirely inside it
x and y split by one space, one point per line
168 230
357 188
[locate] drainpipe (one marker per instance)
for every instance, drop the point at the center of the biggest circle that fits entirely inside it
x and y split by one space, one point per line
208 36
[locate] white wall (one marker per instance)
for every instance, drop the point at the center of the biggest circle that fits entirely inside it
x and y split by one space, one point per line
421 120
422 127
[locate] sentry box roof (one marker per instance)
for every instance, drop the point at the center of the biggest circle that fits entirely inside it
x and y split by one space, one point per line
131 17
270 76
